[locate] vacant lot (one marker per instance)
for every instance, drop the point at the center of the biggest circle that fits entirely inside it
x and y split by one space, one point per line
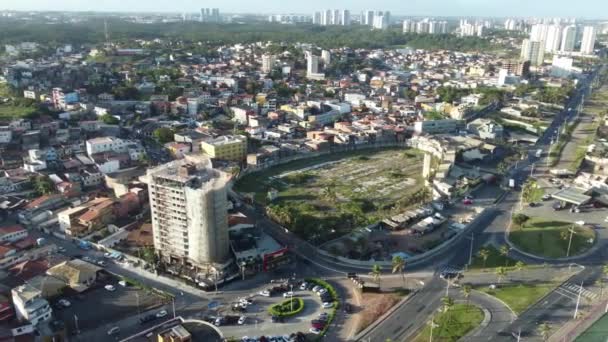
8 112
550 238
332 194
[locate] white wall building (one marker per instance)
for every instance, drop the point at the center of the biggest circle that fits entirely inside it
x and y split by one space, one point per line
588 43
568 38
29 305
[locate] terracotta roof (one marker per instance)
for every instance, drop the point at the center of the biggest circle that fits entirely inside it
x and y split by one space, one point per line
11 229
5 249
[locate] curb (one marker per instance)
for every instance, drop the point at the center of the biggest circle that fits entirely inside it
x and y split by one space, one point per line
499 300
487 318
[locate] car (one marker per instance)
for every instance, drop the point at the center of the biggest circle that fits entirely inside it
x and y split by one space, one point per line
327 305
547 197
467 201
242 320
449 275
123 283
88 259
239 308
322 291
161 314
288 294
265 293
351 275
469 197
303 286
218 321
247 301
110 288
533 204
64 302
558 206
323 315
316 288
61 250
147 318
101 263
348 308
315 331
113 331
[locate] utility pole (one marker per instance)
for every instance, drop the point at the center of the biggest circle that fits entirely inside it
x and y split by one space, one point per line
578 300
570 241
173 303
471 250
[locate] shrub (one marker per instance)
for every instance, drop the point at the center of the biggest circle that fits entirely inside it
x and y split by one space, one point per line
520 219
334 295
283 309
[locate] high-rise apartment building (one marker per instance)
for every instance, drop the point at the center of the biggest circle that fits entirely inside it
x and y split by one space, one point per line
368 17
312 64
539 32
316 18
345 18
554 38
588 42
210 15
188 202
267 63
568 38
326 57
533 51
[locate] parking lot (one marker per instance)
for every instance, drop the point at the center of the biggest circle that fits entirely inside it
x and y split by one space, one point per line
98 307
258 320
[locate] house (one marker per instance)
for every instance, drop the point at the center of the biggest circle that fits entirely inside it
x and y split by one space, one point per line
232 147
77 274
12 233
29 304
486 129
86 218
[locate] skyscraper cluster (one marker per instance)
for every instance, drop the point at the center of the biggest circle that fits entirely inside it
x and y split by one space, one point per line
558 38
210 15
425 26
331 17
379 20
467 28
514 25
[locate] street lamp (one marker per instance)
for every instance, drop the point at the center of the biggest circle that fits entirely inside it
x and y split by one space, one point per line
433 325
571 230
243 264
291 296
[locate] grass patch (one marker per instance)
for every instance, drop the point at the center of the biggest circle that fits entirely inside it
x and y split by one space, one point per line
8 112
519 297
549 238
452 325
495 259
287 308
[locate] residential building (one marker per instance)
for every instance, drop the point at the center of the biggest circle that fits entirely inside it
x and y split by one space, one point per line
12 233
226 148
267 63
6 134
533 51
105 144
554 38
345 17
326 57
438 126
588 42
568 38
188 201
486 129
78 274
29 305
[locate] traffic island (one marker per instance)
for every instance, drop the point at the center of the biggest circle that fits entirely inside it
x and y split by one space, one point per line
548 238
521 296
452 324
287 308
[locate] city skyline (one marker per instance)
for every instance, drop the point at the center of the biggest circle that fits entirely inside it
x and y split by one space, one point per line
501 8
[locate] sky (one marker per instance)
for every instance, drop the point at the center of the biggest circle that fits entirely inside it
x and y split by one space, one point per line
593 9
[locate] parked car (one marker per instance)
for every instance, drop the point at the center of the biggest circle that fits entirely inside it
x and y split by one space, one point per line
113 331
288 294
123 283
315 331
303 286
265 293
242 320
316 288
467 201
161 314
546 197
147 318
328 305
322 291
65 303
110 288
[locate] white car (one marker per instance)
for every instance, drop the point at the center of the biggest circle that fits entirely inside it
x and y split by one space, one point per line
316 288
122 283
303 286
288 294
315 331
110 288
101 263
328 305
265 293
113 331
322 291
242 320
161 314
65 303
246 301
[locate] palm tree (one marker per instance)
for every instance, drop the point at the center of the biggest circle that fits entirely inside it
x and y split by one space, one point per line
484 253
466 292
563 235
399 266
544 330
376 273
501 272
448 303
504 251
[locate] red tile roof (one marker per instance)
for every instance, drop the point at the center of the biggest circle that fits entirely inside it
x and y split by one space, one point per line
11 229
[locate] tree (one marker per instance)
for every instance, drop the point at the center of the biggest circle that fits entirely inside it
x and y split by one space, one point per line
466 292
545 331
377 273
484 253
163 135
43 185
519 266
109 119
531 192
501 273
520 219
399 266
504 251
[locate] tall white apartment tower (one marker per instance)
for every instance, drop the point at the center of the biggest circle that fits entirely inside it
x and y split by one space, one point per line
345 18
267 63
588 43
568 38
188 202
313 64
554 38
326 57
533 51
369 18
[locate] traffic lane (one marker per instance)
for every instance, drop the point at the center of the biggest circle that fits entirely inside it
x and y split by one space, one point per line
411 316
500 316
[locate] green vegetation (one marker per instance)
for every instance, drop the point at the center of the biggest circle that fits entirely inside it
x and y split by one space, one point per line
550 238
453 324
532 192
163 135
490 257
556 149
92 31
8 112
43 185
433 115
520 296
287 308
597 332
328 196
334 295
109 119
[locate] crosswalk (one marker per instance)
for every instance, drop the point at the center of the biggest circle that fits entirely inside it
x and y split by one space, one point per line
449 269
571 291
